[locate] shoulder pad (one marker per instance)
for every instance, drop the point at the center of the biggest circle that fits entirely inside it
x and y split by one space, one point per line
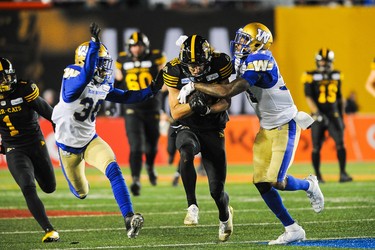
307 77
260 62
171 73
336 75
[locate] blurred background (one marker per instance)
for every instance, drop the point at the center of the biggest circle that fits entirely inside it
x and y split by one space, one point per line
40 38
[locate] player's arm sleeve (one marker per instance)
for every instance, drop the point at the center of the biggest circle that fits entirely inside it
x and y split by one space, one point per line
42 108
76 78
129 96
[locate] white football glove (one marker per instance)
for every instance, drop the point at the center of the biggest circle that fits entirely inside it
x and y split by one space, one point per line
184 92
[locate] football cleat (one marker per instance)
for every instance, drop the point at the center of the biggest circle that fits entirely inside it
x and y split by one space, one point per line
226 228
290 235
135 188
175 180
51 236
133 224
152 176
344 177
315 194
192 216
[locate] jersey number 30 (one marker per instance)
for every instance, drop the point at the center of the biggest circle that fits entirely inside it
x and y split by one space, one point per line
89 111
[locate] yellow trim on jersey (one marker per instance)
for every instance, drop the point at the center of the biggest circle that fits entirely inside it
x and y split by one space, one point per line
226 71
1 66
170 81
33 95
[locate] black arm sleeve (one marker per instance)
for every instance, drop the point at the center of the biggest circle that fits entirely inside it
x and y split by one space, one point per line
42 108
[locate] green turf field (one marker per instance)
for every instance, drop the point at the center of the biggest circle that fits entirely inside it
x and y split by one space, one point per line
349 213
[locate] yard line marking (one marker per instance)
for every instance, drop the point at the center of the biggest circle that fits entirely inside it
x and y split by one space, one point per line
186 227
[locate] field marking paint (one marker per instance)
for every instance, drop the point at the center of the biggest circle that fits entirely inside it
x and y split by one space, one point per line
184 227
203 244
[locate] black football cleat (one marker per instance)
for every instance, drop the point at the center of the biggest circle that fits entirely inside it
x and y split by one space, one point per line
344 177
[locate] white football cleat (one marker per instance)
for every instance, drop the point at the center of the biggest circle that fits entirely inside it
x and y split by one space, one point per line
226 228
292 233
315 194
192 215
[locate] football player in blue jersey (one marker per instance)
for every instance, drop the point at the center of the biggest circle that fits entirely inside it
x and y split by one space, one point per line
280 124
85 85
23 143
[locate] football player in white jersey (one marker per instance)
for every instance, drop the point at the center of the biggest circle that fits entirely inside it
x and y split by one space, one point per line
85 86
280 124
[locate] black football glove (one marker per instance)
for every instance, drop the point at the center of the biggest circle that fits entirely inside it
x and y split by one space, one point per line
2 150
198 103
95 31
157 83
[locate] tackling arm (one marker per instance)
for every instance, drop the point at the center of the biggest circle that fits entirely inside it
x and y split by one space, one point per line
223 90
129 96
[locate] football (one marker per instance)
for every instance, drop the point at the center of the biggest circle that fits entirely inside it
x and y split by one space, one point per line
209 99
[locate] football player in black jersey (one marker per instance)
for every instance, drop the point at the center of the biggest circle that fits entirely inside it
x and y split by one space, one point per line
201 124
23 142
135 70
324 98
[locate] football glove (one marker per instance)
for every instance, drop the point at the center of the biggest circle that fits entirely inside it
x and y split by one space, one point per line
2 149
184 92
321 118
95 30
198 104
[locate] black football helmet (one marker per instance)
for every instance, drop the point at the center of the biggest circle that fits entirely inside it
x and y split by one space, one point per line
324 59
8 78
140 39
195 51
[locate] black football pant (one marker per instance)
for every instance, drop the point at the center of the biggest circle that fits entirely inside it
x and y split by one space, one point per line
27 165
142 130
211 144
335 127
